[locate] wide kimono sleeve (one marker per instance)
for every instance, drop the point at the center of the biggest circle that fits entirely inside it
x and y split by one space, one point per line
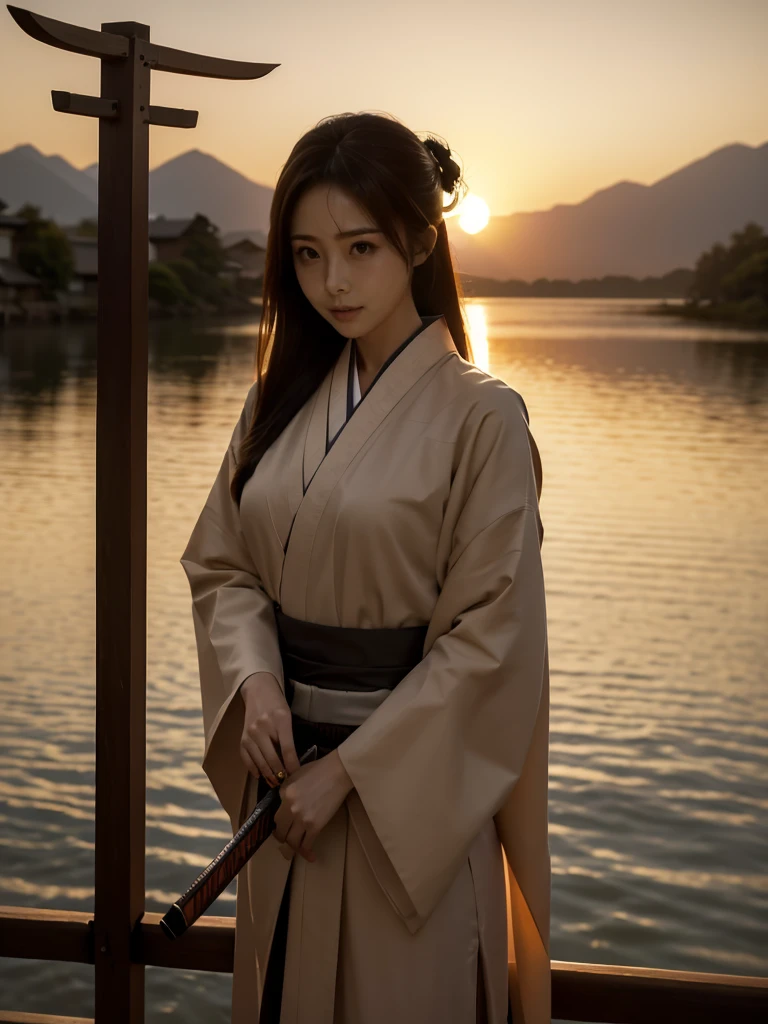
234 624
444 752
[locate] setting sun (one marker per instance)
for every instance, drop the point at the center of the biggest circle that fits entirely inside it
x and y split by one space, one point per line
473 214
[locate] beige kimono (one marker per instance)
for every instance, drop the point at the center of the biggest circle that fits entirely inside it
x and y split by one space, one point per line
424 511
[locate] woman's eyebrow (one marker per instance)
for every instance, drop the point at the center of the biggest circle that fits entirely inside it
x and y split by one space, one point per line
341 234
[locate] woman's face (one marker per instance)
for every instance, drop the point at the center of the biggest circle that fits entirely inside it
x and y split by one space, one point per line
360 269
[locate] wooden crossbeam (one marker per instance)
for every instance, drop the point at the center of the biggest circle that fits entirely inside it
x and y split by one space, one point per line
74 38
88 106
171 117
165 58
110 45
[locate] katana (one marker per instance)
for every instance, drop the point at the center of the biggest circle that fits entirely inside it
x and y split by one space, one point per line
214 879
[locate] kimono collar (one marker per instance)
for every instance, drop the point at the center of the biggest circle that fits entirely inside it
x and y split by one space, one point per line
417 353
329 409
310 472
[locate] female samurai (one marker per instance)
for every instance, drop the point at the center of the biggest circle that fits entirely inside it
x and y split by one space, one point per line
366 576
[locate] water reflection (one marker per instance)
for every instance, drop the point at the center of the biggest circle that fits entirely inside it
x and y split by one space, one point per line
477 319
653 439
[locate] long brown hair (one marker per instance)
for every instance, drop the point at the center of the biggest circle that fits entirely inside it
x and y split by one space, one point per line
399 180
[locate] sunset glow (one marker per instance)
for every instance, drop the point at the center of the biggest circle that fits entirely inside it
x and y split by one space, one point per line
473 214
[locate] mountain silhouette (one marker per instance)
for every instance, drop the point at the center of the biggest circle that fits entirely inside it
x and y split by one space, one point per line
50 182
628 228
197 182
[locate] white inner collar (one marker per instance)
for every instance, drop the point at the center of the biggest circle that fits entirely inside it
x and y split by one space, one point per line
355 384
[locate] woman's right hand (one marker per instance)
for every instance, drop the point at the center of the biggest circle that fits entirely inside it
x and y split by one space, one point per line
267 723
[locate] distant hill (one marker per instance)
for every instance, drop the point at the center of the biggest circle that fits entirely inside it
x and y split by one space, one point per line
62 191
639 230
188 184
196 182
627 229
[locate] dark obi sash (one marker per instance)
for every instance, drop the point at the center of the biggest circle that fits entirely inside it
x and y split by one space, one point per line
342 658
346 657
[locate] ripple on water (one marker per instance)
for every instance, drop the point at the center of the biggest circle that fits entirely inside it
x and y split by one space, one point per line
655 507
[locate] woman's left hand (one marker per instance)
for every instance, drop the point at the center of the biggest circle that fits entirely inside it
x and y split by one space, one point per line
309 799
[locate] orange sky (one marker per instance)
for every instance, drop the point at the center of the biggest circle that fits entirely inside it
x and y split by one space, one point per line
543 103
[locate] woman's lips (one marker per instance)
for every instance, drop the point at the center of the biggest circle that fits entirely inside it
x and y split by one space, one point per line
346 314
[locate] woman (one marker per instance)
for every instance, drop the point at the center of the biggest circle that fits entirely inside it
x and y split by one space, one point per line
366 576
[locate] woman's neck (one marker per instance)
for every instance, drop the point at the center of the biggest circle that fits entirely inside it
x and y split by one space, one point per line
377 346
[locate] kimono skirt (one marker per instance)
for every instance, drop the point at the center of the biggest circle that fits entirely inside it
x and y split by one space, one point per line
356 661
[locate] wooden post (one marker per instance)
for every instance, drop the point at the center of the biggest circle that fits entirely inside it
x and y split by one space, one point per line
124 111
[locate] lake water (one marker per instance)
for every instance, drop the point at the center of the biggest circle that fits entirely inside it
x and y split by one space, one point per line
654 440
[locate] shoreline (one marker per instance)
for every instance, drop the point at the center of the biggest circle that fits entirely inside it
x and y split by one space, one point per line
54 314
725 314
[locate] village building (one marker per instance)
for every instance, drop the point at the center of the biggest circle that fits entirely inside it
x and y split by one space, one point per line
20 292
168 237
246 253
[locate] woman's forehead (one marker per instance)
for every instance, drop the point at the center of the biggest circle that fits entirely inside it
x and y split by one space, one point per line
330 213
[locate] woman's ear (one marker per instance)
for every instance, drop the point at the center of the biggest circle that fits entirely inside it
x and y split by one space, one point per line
428 240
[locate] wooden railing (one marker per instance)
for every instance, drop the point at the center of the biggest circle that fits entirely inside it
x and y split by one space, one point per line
580 992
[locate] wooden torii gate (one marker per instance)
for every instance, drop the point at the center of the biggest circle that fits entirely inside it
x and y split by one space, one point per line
124 111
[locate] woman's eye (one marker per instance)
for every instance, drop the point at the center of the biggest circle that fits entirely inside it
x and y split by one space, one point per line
308 249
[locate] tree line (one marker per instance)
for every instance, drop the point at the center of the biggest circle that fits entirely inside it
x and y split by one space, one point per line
190 282
730 282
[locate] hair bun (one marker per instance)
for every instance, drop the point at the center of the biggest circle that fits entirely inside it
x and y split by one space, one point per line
450 172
